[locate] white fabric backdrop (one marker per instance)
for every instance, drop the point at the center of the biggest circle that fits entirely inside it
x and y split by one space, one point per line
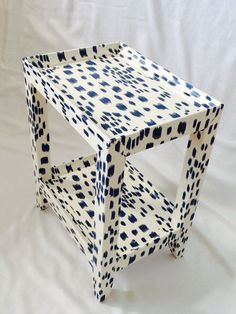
41 269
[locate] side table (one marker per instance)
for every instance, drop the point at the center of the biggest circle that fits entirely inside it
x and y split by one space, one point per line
121 103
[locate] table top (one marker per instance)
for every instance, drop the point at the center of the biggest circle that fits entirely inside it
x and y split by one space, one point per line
120 90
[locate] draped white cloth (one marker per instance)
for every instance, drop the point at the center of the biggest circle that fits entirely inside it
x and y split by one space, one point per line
41 269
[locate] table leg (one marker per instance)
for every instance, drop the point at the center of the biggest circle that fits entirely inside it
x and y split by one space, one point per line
110 174
40 146
196 161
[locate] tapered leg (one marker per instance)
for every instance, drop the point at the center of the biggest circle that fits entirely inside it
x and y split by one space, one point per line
37 114
110 173
196 161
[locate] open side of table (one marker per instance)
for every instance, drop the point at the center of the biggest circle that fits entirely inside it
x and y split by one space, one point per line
120 103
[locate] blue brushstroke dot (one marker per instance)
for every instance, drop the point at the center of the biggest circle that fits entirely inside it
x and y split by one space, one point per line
105 126
188 85
68 72
174 115
90 62
90 213
72 80
129 94
133 243
67 66
142 98
196 104
195 94
116 89
79 88
61 56
132 218
153 234
91 69
83 52
160 106
136 113
121 106
118 97
95 75
123 236
92 93
143 227
105 100
150 123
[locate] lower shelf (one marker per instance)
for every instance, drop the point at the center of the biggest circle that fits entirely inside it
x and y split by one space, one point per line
145 214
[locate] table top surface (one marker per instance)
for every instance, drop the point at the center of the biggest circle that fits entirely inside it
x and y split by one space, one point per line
120 90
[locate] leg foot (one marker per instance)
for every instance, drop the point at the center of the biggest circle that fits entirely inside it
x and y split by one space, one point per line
41 200
102 285
177 248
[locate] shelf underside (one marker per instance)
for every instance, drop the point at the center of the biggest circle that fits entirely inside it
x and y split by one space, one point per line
145 214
